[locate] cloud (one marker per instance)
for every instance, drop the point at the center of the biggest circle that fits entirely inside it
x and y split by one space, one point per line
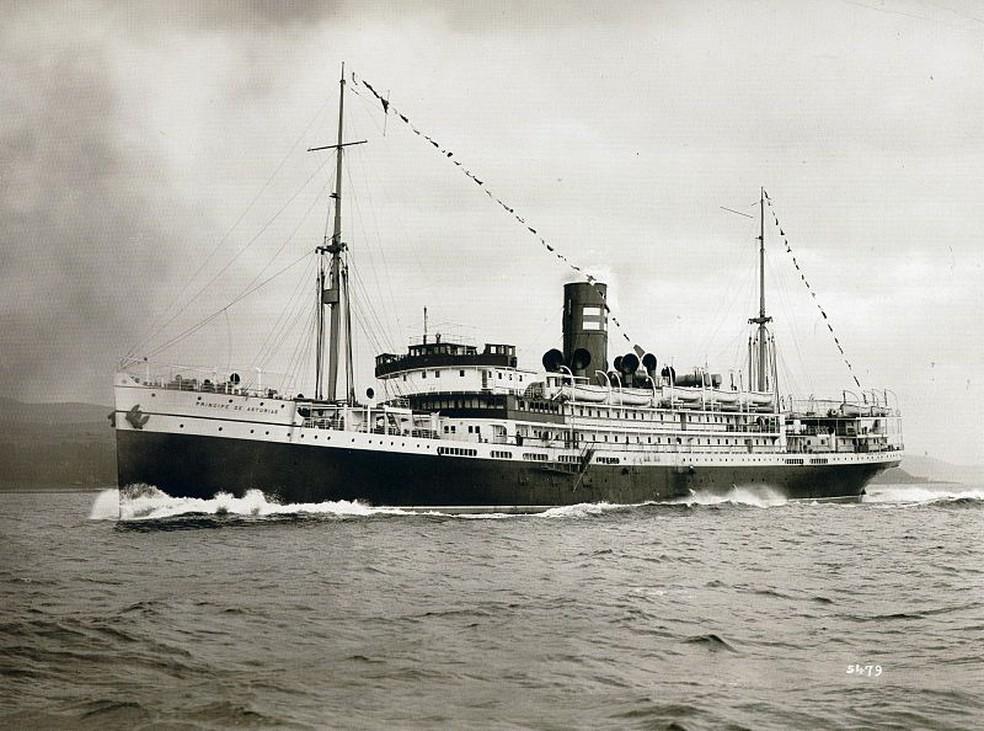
80 235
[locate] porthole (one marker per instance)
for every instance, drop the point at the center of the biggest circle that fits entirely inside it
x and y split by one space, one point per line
153 395
267 433
181 425
220 428
250 431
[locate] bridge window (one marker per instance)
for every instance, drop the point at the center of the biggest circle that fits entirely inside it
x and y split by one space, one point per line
461 374
437 374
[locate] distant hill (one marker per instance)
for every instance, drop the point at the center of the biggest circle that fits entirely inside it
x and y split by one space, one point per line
56 445
919 469
936 470
51 413
898 476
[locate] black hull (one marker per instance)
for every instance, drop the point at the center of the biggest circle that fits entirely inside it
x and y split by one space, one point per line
195 466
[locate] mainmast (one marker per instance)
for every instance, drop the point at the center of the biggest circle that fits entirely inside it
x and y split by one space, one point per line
336 293
759 347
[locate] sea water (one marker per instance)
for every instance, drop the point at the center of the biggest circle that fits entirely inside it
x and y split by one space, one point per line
745 611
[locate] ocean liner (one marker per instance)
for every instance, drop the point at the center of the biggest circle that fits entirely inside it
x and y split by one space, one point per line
457 426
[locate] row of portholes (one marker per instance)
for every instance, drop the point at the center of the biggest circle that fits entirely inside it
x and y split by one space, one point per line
182 426
327 438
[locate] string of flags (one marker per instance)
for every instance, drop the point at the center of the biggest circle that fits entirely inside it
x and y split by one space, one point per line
388 107
809 288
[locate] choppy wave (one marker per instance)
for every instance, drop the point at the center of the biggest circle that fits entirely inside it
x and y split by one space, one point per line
281 619
711 641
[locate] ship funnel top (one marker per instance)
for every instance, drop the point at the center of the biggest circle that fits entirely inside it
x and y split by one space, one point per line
585 327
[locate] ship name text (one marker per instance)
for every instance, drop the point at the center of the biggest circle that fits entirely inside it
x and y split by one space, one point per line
236 407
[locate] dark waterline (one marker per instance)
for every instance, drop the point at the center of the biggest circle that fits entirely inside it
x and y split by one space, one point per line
747 613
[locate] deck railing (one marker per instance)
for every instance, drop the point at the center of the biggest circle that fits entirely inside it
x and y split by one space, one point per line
182 377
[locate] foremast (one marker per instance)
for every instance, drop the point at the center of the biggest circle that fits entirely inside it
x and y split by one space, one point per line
333 285
761 345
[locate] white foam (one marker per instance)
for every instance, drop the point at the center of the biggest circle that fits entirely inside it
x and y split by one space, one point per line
921 494
152 503
759 496
579 510
106 505
149 503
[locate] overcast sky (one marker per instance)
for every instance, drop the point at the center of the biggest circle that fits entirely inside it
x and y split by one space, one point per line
136 138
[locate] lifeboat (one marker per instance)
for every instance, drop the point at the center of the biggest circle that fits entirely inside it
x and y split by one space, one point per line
683 394
587 392
760 399
724 397
633 397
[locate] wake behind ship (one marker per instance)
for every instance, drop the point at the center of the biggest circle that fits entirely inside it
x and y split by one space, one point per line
459 426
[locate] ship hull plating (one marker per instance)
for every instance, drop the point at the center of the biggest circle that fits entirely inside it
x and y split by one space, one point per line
200 467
